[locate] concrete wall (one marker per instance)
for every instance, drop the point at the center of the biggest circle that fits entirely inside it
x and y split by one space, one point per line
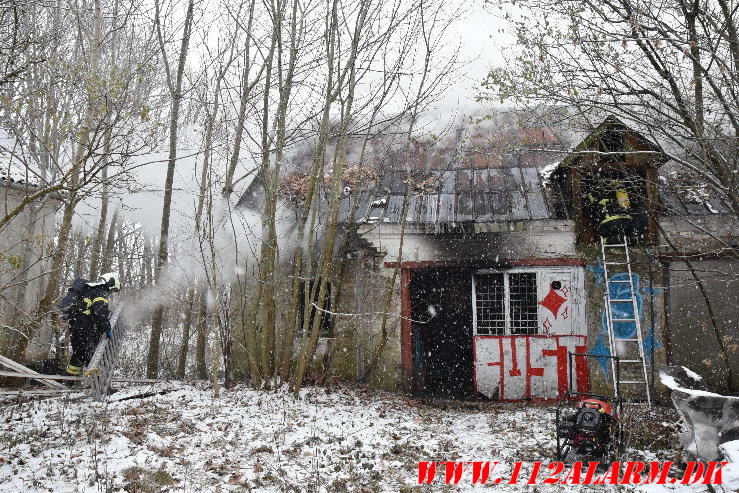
496 242
710 233
357 336
365 280
529 239
694 342
25 245
649 283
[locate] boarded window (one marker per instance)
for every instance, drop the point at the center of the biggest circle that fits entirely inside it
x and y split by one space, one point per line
499 294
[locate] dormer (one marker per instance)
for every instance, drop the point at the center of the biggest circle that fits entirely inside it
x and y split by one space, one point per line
612 153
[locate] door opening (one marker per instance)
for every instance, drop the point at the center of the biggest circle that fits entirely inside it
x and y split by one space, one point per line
441 310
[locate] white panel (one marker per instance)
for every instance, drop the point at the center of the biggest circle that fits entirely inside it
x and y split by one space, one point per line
560 308
532 372
514 368
571 344
543 387
579 326
487 366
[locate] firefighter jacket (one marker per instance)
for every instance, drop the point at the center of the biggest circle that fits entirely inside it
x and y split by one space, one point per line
613 208
93 311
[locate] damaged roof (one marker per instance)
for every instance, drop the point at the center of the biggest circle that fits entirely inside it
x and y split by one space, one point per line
479 187
613 125
487 176
480 174
682 194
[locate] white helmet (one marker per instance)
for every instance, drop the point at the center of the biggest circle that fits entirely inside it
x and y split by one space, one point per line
111 281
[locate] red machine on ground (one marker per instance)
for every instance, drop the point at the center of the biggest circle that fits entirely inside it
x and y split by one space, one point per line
592 430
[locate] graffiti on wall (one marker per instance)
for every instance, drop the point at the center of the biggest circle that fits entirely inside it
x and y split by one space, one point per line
528 366
553 302
535 366
621 330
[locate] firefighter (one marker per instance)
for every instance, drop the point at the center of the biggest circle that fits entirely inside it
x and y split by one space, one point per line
614 212
86 309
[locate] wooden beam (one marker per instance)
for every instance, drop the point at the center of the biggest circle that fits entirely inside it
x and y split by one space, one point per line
516 262
15 366
650 184
406 338
38 376
41 376
21 393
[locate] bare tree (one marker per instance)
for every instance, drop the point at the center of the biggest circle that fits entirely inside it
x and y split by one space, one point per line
174 84
58 115
668 69
341 45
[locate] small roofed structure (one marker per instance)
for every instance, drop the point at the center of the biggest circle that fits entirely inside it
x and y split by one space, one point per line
613 151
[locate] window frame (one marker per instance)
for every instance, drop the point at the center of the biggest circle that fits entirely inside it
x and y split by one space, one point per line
506 299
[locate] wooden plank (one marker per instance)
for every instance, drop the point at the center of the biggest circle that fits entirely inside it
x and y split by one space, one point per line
406 337
139 380
21 393
13 365
38 376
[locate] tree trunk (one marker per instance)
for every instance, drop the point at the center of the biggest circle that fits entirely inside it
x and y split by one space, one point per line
79 263
107 258
152 360
146 263
182 357
201 369
97 243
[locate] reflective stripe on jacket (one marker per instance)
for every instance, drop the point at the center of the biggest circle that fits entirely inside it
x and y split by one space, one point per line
89 302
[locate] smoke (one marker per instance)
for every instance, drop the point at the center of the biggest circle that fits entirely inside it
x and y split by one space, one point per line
226 248
220 254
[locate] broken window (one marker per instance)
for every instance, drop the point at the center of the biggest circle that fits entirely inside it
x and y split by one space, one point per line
523 306
324 329
489 304
505 303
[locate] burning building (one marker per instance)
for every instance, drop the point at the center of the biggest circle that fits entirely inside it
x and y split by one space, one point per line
495 241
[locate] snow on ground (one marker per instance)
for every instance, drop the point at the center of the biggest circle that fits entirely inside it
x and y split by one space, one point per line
331 439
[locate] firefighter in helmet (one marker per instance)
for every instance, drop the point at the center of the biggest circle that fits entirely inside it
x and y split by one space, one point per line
614 211
85 307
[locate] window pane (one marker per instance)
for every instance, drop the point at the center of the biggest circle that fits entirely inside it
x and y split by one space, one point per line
489 293
523 304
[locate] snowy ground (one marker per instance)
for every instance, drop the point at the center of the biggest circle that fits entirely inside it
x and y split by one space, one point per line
330 440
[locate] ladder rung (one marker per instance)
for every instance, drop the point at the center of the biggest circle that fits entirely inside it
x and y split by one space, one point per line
623 320
616 263
629 361
613 245
627 340
628 282
632 382
628 300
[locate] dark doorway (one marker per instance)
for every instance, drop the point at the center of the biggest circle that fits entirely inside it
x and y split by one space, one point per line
441 309
601 185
